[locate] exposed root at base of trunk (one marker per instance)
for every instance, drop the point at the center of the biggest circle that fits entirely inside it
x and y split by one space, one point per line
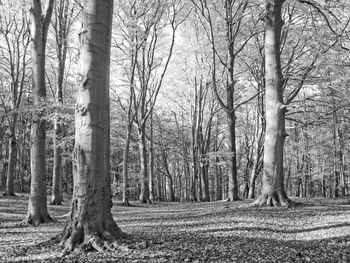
109 239
37 220
273 200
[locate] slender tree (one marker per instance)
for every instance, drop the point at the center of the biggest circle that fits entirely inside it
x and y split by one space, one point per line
15 35
64 11
91 221
233 14
37 207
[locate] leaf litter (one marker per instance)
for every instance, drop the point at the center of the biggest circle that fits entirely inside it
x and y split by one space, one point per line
317 230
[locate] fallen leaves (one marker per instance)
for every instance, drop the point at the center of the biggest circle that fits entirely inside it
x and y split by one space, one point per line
316 231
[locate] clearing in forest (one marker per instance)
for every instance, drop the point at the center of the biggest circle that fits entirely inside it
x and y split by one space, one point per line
316 231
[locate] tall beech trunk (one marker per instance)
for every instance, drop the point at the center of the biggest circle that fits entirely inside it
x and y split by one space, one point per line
37 206
151 163
91 222
144 191
272 192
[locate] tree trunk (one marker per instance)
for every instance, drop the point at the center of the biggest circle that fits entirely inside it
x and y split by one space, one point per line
57 198
232 172
37 206
91 222
144 191
194 172
253 175
272 192
125 165
259 133
62 28
12 159
151 163
204 181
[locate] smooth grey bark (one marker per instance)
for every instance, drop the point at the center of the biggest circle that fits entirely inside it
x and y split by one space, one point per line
91 222
37 206
273 192
151 163
144 190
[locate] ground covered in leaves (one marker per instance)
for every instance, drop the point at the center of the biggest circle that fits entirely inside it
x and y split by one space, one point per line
318 230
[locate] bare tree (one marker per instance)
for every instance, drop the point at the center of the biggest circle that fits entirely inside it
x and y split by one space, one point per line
14 31
37 206
64 17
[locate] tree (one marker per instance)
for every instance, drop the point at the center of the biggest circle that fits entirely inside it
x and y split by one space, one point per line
62 24
233 14
15 35
272 192
37 206
91 221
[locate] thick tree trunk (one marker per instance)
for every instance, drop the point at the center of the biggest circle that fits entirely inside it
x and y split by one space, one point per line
144 191
272 192
37 206
91 221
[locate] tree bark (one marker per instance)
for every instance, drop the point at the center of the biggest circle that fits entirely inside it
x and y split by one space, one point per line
258 147
12 159
56 197
272 192
144 191
151 163
37 206
232 172
125 165
62 27
91 221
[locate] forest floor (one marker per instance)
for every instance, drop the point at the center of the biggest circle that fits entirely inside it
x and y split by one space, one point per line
318 230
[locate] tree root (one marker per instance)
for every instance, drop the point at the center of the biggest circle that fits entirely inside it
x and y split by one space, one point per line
36 220
273 200
111 238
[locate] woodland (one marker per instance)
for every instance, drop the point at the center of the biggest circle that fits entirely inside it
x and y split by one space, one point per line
174 131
